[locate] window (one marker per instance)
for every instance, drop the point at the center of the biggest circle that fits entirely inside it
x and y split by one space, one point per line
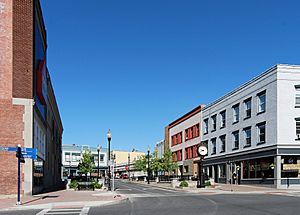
247 105
191 132
213 146
205 126
261 102
223 119
297 128
214 122
235 140
223 143
101 157
67 156
261 132
236 113
297 96
176 139
247 132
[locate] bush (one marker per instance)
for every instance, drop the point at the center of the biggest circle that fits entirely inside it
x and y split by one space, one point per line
73 184
183 184
207 184
96 185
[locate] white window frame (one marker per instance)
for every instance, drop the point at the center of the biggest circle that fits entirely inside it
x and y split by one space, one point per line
261 103
205 126
223 119
259 128
297 95
236 113
214 146
223 143
214 122
236 140
247 137
246 102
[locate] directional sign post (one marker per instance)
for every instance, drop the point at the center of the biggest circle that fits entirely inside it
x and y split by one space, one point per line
21 153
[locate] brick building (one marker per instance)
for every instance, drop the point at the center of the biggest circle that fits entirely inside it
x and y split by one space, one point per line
28 111
183 137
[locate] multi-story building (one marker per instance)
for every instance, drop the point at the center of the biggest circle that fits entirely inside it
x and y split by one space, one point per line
184 138
124 162
29 114
160 149
72 154
253 132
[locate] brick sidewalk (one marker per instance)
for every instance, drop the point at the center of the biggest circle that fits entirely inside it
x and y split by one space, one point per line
61 197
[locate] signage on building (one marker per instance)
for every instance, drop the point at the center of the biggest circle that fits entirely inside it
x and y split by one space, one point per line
42 82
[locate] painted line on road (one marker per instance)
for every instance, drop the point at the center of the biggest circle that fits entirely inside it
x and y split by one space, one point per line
123 189
43 211
85 211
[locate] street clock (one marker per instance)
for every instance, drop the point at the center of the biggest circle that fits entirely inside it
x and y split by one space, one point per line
202 150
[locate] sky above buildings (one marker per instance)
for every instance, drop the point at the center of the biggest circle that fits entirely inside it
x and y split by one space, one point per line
134 66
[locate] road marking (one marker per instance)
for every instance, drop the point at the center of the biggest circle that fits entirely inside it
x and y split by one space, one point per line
123 189
62 211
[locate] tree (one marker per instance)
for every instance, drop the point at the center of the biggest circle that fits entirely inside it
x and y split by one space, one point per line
86 164
140 164
168 165
156 163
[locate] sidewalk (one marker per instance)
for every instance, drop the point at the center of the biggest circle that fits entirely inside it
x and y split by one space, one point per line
63 198
225 189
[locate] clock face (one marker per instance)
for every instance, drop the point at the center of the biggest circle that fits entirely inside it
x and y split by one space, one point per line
202 150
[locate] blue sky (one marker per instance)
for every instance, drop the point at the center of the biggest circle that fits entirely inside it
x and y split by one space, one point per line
135 66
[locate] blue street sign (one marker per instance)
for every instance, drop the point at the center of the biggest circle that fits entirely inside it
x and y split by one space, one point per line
26 152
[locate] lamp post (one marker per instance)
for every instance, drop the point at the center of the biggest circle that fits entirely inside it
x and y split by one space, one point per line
108 135
98 150
128 166
148 170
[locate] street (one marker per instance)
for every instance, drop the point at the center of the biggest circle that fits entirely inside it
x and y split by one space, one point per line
145 200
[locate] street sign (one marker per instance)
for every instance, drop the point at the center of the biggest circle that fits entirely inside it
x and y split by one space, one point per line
26 152
8 149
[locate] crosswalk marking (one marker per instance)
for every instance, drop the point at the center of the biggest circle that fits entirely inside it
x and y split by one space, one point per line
62 211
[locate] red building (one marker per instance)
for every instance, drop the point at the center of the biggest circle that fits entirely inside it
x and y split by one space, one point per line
28 111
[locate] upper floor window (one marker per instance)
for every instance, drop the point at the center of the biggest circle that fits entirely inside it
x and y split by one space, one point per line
297 96
236 140
213 146
223 143
67 156
247 105
192 132
261 132
223 119
205 126
236 113
176 139
214 122
101 157
261 101
247 133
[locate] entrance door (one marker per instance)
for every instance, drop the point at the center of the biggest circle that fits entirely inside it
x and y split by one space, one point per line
216 176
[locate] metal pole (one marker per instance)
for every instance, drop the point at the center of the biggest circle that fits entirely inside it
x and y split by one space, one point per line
128 167
148 167
113 178
109 188
98 165
19 177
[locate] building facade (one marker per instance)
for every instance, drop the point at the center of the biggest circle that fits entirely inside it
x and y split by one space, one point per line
160 149
29 114
253 132
72 154
184 138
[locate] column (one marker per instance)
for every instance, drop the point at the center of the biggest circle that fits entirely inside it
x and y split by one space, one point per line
277 171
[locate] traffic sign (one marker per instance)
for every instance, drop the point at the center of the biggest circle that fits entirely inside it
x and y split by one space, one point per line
26 152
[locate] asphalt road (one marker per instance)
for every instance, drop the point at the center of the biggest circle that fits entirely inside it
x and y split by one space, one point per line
144 200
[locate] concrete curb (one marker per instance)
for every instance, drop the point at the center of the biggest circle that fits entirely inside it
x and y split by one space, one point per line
65 204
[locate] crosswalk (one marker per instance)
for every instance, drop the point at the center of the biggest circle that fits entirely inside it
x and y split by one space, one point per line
65 211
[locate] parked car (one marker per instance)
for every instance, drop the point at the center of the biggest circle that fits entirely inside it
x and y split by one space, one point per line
124 176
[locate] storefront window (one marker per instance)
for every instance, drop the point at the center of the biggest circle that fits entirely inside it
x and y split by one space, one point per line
223 171
290 166
38 172
258 168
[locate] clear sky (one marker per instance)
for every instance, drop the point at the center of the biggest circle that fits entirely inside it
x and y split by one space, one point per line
134 66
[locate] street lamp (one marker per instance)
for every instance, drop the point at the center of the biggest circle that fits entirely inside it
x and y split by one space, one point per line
128 166
98 150
148 170
108 135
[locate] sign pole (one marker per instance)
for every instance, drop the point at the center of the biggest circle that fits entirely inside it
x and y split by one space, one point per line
19 177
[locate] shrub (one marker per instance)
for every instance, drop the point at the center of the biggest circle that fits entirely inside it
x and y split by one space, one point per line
73 184
207 184
96 185
183 184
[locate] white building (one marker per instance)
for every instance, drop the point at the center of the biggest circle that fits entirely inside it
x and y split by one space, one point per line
72 154
254 131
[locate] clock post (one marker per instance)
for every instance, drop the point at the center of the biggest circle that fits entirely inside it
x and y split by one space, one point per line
202 150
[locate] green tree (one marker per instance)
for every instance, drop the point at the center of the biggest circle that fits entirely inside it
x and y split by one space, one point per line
86 164
156 163
140 163
168 165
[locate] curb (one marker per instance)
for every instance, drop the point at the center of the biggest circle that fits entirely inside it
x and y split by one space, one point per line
57 204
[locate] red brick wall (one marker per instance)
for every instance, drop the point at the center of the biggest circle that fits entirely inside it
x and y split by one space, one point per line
5 49
11 134
23 48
